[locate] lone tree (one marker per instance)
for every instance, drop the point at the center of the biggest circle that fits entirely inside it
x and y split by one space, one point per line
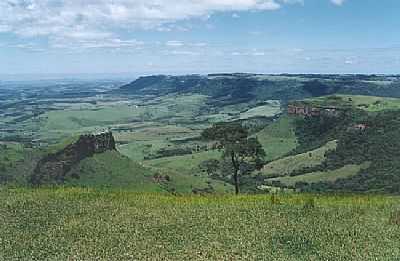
240 149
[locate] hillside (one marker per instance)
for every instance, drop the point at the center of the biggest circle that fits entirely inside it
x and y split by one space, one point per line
54 167
365 158
111 170
226 89
16 163
93 161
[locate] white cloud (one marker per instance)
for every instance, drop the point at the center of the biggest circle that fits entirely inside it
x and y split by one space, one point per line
235 15
83 19
112 43
174 43
183 52
338 2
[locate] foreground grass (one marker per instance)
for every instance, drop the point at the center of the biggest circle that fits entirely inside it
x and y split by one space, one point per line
79 224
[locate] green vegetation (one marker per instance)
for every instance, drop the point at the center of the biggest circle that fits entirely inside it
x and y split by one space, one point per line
367 103
244 153
184 163
290 164
86 224
271 109
278 138
157 122
185 174
111 170
141 201
321 176
376 143
16 163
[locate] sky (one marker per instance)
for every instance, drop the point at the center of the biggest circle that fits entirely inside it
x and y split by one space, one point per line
199 36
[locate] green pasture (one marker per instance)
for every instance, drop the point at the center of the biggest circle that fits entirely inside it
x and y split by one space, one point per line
367 103
185 173
184 163
287 165
111 170
278 138
322 176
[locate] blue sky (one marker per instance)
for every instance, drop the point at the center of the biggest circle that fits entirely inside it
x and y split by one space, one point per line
199 36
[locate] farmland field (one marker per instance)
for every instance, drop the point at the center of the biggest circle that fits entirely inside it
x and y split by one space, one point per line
88 224
332 175
287 165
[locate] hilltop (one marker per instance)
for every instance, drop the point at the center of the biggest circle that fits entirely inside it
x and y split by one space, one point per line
223 89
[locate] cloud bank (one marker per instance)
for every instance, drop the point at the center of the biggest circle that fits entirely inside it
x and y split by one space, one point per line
99 19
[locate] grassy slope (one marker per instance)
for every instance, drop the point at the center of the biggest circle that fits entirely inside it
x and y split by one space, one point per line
367 103
330 176
112 170
269 110
79 224
17 163
278 138
11 157
139 149
373 103
287 165
185 174
184 163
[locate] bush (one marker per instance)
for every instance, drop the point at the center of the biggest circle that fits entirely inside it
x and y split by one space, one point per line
394 218
309 204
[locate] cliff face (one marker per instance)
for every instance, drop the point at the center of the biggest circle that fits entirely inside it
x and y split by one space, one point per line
53 168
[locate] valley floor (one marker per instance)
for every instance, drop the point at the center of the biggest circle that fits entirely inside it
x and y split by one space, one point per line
86 224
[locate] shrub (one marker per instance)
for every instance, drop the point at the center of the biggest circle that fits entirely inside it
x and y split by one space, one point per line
309 204
394 218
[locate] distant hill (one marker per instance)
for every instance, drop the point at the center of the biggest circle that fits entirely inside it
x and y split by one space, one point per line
238 88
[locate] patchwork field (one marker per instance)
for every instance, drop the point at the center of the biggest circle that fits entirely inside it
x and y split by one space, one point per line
287 165
85 224
330 175
186 175
367 103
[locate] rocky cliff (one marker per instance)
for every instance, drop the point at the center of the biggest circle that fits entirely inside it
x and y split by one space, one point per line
53 168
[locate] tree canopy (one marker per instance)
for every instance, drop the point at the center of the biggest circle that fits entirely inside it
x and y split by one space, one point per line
243 151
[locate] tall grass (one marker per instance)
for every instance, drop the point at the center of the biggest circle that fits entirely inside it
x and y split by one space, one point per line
86 224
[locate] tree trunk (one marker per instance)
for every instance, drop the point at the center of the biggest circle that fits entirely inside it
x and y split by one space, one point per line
236 178
236 173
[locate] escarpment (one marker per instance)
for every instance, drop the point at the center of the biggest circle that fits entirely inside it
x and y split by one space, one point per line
53 168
